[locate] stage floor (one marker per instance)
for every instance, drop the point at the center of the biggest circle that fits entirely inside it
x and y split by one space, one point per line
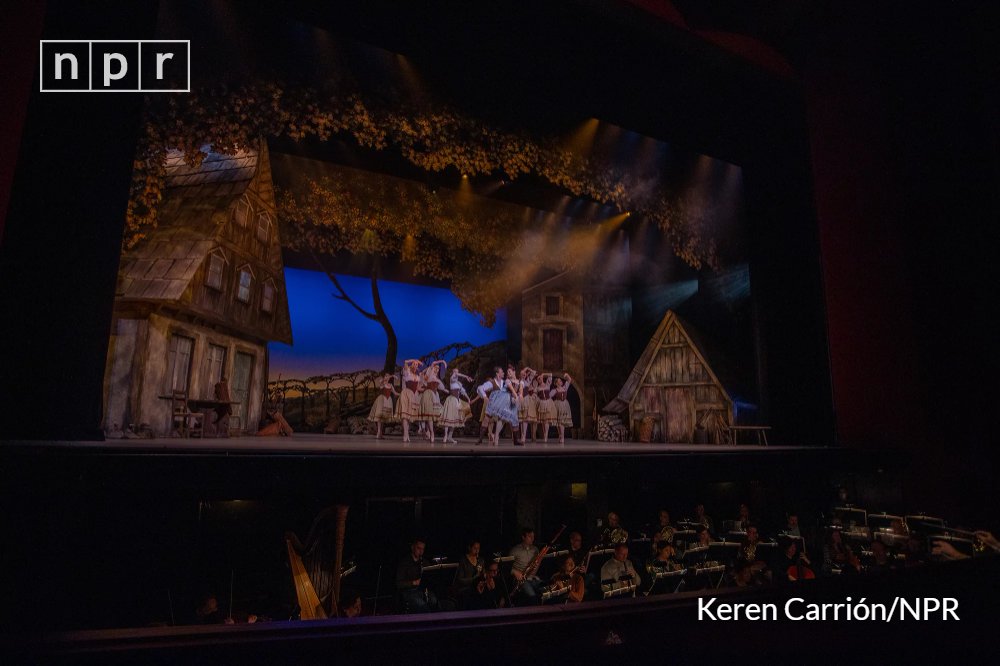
367 445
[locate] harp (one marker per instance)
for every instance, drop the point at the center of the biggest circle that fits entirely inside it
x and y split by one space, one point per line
316 565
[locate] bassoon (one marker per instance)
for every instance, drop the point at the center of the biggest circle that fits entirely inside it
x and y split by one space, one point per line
532 568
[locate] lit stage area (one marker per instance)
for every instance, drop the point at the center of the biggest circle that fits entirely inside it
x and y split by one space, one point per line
300 443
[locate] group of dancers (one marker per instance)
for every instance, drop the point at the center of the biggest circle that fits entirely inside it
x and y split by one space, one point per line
525 400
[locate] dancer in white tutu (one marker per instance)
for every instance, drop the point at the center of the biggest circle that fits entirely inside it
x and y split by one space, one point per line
430 400
564 415
382 410
455 411
409 404
527 412
546 406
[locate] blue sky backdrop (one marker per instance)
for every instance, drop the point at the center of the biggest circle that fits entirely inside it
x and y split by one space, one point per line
331 336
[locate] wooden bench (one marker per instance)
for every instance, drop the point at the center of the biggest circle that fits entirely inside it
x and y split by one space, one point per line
734 431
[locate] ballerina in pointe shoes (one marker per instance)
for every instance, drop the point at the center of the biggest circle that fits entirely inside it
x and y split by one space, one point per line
564 415
483 391
409 404
382 410
546 406
430 400
455 411
527 412
502 407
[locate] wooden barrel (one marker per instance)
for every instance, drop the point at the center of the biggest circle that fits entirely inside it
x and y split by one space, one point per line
680 414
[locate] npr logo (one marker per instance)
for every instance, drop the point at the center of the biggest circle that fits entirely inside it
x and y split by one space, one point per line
140 65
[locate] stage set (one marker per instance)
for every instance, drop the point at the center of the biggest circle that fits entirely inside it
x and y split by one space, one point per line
447 332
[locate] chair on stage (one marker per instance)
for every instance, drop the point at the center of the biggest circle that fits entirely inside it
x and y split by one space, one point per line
183 420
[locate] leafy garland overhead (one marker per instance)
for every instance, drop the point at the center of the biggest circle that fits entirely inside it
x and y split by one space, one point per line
432 137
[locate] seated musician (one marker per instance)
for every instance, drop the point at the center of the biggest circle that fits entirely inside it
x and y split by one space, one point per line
791 565
524 555
704 537
414 597
664 530
576 549
702 519
666 557
838 556
350 605
619 568
748 553
880 558
742 522
792 525
470 571
486 593
564 576
614 533
743 575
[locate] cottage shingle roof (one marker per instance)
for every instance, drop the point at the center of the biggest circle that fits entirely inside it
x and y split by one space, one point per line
195 204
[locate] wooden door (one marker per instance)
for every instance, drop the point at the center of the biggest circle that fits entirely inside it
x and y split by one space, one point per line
680 411
240 387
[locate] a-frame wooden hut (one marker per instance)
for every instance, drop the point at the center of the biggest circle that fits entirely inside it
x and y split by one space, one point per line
673 384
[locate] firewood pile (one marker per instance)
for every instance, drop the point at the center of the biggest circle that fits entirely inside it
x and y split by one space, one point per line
610 428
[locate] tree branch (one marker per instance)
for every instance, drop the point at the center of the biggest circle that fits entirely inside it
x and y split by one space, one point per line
336 283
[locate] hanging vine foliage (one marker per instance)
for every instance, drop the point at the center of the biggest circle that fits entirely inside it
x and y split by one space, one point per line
433 137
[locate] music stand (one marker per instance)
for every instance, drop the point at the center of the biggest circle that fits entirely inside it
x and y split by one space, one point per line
617 587
664 578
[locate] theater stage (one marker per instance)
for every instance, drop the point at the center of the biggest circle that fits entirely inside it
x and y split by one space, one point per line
367 445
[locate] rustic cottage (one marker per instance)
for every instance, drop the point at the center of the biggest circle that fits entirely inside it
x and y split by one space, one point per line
673 385
200 296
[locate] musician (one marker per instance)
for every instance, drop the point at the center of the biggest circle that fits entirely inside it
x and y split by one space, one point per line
524 554
702 519
837 555
792 525
414 597
350 605
619 567
564 576
614 533
743 517
576 549
880 558
791 565
664 530
470 571
486 593
666 558
704 537
748 554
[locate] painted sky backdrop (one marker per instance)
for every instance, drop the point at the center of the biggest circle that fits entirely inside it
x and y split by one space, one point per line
331 336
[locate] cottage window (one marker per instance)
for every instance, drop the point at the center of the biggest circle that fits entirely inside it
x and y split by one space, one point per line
215 363
267 298
179 362
552 304
552 349
263 227
216 265
242 213
243 292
